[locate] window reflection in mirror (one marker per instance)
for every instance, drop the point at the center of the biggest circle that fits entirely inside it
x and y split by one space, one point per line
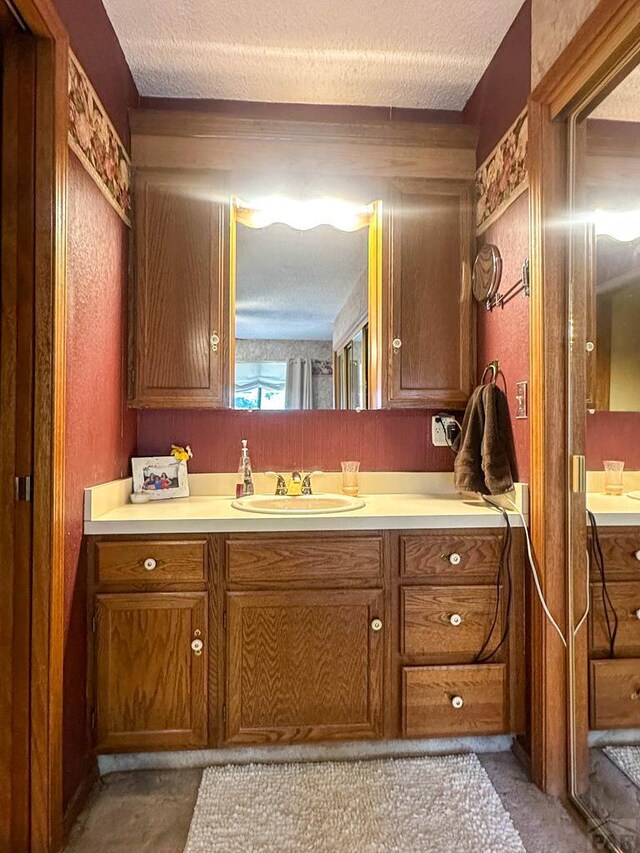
301 311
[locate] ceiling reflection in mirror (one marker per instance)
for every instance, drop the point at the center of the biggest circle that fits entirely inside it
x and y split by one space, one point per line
301 305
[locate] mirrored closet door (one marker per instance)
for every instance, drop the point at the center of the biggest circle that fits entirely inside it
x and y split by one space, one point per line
604 436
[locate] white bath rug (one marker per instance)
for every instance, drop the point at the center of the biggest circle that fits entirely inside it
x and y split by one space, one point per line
627 758
415 805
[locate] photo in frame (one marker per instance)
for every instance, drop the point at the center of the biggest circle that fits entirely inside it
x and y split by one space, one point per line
160 477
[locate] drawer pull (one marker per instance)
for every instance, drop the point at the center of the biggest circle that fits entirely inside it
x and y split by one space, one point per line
150 564
637 554
396 344
457 702
454 559
636 613
376 625
455 619
635 696
197 646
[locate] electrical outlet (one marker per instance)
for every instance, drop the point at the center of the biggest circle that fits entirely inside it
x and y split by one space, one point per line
441 427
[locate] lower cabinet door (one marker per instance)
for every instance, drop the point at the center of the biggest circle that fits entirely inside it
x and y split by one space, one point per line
151 664
304 666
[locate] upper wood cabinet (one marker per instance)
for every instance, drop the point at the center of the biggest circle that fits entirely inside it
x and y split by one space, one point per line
428 320
180 351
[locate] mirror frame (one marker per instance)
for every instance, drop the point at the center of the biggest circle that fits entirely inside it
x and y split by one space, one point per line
597 58
374 287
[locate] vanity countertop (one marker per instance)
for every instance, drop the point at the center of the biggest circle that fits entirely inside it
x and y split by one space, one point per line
614 510
107 510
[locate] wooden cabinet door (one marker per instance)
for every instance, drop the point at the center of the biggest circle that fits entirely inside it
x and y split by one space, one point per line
429 336
304 666
181 293
151 688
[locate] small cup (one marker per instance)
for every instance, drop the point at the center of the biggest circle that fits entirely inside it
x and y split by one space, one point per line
350 478
613 476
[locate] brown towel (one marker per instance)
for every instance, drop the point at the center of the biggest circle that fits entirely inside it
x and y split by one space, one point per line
485 460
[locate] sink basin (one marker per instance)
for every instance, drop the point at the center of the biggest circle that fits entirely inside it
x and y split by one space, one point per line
297 504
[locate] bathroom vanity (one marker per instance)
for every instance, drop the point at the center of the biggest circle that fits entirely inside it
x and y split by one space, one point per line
240 629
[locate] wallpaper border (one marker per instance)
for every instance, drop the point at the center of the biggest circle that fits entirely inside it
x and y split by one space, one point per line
503 176
95 141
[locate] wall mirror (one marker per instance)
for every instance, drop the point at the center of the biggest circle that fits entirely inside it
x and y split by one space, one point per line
304 279
604 649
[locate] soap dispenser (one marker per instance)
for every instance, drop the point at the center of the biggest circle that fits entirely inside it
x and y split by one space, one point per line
244 483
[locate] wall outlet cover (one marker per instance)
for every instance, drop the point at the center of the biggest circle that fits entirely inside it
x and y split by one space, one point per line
439 426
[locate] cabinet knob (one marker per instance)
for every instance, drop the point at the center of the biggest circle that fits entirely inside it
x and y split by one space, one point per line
635 695
396 344
455 619
197 646
454 559
215 340
376 624
150 564
636 613
590 346
637 555
457 702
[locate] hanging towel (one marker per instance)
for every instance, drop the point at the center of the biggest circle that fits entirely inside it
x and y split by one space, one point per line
485 460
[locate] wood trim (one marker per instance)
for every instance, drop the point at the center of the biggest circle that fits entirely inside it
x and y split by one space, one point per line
598 46
165 139
47 561
79 800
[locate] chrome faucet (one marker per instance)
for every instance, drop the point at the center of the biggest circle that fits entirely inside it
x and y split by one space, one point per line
298 484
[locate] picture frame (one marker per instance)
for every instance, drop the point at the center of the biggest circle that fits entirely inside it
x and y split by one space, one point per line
160 477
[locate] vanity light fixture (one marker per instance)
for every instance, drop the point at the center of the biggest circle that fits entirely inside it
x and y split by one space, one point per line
303 215
623 225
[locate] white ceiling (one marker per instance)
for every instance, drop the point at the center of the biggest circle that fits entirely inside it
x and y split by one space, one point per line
401 53
291 284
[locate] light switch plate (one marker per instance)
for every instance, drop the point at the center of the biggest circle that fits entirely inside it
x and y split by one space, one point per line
522 400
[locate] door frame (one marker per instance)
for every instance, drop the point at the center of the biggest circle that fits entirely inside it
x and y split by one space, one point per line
600 43
43 608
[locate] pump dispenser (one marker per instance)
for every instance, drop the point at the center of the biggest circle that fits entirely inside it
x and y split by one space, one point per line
244 483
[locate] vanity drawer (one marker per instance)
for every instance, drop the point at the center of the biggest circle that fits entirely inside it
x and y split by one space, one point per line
305 558
625 598
615 694
451 556
448 701
619 551
151 561
448 624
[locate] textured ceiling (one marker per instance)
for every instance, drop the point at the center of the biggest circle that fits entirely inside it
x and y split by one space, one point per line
623 104
291 284
400 53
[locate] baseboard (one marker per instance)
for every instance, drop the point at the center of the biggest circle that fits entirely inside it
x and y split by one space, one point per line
79 800
522 755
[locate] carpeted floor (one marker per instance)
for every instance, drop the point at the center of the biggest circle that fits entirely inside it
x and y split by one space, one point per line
627 758
438 804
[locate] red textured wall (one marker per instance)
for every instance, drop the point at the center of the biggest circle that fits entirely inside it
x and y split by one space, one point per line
381 441
100 431
503 89
503 333
613 435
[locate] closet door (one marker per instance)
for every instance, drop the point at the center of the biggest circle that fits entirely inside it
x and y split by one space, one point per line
430 339
180 293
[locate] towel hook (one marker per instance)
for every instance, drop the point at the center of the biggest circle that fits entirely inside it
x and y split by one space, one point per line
494 367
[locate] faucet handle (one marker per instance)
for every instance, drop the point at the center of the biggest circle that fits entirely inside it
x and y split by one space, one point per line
281 484
306 482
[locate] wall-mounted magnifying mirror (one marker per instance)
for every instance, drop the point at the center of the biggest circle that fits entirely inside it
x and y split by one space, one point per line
304 285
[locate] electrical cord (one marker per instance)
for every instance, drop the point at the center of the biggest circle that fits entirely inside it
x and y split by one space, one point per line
504 562
598 556
532 564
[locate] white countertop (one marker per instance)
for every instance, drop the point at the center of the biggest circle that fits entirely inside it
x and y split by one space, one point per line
107 510
614 510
